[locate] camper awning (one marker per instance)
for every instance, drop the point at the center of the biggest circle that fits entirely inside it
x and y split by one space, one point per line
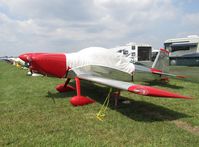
184 44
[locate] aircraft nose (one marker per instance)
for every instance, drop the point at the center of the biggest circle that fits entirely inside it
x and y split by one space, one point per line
50 64
24 57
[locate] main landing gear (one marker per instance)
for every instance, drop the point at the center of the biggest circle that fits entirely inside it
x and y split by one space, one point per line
65 87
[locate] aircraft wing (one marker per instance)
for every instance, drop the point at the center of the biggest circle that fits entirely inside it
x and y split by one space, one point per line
104 75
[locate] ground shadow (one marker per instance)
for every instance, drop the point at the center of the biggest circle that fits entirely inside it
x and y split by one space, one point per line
136 110
58 95
147 112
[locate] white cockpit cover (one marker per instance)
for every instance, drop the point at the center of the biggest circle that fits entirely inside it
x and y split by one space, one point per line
99 56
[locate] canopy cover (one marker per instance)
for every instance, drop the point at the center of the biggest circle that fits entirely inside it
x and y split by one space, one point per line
99 56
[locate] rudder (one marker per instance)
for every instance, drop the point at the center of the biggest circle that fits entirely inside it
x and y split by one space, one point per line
162 61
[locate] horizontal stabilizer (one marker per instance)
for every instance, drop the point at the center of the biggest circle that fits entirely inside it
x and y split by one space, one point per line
159 72
152 91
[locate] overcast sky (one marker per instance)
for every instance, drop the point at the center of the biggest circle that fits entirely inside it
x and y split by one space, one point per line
70 25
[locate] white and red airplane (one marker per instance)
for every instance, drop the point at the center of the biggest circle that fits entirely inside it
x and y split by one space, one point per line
102 66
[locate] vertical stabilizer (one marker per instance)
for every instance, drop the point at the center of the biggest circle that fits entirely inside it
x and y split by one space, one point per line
162 61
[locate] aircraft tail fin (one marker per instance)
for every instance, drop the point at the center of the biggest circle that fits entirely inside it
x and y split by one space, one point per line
161 65
161 62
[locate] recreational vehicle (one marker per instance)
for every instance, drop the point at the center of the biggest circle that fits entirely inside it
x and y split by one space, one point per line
135 52
183 51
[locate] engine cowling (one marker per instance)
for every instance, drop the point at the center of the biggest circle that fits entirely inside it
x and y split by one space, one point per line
50 64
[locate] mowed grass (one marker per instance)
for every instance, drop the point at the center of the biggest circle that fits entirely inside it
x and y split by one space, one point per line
32 113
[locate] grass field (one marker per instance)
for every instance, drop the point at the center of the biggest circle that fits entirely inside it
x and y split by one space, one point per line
32 113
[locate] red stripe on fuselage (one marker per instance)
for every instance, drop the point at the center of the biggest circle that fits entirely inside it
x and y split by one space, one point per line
155 71
164 50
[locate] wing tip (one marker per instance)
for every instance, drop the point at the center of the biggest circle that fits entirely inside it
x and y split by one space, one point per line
156 92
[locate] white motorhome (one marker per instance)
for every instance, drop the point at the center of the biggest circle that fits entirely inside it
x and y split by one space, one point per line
135 52
183 51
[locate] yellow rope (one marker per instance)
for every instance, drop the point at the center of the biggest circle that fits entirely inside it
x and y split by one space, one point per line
101 114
